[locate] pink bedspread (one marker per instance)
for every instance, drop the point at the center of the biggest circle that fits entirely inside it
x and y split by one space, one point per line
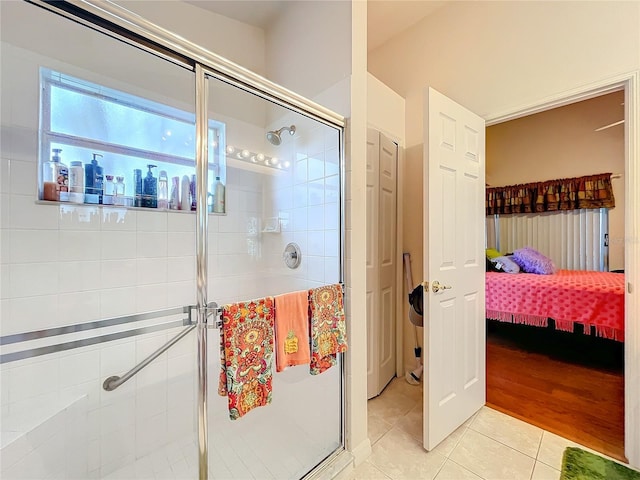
568 297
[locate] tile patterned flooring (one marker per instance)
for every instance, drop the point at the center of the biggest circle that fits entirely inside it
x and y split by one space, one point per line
489 446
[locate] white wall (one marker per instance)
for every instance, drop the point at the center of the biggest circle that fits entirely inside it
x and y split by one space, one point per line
385 110
493 57
308 46
239 42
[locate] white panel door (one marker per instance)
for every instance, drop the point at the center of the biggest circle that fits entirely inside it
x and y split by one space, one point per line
387 262
373 333
454 265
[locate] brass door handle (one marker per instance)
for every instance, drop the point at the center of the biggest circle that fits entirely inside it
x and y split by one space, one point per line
436 287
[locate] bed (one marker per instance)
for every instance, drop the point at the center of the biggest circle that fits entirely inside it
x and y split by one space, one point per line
567 297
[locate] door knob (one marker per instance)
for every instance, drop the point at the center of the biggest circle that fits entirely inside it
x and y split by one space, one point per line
436 287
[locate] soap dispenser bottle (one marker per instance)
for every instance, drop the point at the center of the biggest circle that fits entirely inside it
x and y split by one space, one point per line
50 170
150 190
93 181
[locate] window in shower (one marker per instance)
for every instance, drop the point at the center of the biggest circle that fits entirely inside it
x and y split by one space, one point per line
129 137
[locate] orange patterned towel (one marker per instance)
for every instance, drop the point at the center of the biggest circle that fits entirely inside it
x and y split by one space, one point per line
246 355
327 324
292 329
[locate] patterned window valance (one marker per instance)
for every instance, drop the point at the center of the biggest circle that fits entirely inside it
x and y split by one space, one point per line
592 191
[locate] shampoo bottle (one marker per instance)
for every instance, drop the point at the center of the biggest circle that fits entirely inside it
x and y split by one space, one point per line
150 190
163 190
185 196
137 186
93 181
174 201
76 182
218 194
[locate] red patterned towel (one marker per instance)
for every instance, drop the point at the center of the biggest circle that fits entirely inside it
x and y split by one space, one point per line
327 325
246 355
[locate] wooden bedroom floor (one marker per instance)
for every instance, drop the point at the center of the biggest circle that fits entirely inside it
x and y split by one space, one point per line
569 384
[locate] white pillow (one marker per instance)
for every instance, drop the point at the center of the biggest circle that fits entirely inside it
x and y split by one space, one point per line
506 264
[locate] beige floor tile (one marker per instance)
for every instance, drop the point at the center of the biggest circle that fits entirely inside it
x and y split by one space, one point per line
367 471
542 471
401 456
552 448
393 404
412 422
448 444
452 471
512 432
491 459
377 427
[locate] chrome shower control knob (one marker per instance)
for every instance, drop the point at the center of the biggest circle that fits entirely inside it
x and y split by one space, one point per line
292 255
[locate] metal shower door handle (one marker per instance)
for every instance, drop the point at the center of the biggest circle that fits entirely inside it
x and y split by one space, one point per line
436 287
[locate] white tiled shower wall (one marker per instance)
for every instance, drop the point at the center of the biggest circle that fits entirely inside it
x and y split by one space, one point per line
65 264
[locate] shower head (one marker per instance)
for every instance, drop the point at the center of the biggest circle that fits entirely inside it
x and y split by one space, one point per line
274 136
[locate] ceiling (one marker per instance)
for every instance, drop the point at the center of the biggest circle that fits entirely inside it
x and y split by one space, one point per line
385 18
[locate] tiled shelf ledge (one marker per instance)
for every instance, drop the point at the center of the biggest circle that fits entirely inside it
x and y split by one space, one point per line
100 205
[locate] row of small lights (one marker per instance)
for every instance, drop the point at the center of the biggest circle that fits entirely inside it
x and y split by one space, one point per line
248 156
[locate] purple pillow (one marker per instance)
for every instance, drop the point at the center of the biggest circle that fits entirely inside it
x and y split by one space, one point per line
532 261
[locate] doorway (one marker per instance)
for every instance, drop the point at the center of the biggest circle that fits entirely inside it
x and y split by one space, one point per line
528 367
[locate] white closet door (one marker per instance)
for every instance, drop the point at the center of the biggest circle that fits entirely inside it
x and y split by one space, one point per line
382 159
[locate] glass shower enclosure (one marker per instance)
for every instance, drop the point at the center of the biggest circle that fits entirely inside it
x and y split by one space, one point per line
141 186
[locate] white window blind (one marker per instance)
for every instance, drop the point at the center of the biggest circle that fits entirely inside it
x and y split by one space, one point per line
573 239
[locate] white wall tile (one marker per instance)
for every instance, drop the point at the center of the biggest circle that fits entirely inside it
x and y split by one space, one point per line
79 307
5 167
300 195
24 178
114 218
25 213
331 270
300 219
152 221
151 244
30 279
182 222
117 244
115 302
118 273
79 245
35 379
30 313
300 171
29 246
316 192
79 276
332 189
79 217
316 167
331 216
117 358
331 243
181 268
315 268
117 416
116 447
151 297
316 243
315 216
181 293
152 270
181 244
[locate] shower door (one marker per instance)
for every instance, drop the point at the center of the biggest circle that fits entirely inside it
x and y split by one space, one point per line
282 187
91 289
